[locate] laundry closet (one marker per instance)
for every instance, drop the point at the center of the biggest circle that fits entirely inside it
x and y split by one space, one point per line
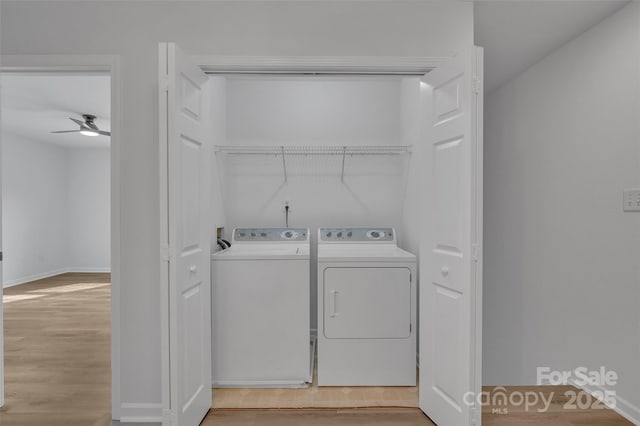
325 165
295 151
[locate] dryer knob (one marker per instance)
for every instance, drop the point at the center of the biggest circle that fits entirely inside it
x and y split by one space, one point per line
329 234
349 234
339 235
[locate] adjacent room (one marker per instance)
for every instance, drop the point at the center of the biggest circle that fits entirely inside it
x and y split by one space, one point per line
56 242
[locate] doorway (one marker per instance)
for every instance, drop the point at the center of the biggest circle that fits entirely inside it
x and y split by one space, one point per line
56 240
347 162
86 163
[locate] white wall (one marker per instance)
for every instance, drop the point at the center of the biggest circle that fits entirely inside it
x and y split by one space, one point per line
133 30
314 111
320 112
410 111
562 261
34 207
88 209
55 211
218 123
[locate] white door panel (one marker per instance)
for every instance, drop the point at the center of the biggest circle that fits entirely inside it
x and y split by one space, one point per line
186 245
450 343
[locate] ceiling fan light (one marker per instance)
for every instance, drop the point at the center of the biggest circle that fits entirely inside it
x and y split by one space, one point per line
88 132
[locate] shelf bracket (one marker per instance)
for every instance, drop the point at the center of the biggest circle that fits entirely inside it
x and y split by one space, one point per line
344 154
284 164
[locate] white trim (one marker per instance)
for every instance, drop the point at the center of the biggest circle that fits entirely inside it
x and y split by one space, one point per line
58 63
131 412
321 64
627 410
42 275
89 270
478 169
164 252
111 65
623 406
34 277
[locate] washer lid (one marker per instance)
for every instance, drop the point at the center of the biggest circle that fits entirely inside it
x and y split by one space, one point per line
264 252
363 253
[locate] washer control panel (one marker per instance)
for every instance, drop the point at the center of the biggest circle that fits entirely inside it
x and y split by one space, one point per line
270 234
368 235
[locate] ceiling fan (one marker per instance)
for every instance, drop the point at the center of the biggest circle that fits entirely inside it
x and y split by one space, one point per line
88 127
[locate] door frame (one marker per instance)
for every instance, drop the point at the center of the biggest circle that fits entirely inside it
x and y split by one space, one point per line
400 65
109 64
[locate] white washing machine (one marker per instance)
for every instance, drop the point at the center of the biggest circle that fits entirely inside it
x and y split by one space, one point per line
260 309
366 309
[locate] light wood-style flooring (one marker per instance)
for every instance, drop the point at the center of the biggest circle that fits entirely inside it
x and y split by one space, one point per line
57 352
57 371
559 413
317 397
318 417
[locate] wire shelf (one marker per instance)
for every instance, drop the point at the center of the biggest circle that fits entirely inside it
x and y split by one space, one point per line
314 150
284 151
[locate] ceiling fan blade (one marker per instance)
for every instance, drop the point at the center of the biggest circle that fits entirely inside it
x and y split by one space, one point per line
104 133
78 122
66 131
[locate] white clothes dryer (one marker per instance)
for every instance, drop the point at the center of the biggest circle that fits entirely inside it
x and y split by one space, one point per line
366 309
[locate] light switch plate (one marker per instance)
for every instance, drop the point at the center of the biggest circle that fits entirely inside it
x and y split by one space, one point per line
631 200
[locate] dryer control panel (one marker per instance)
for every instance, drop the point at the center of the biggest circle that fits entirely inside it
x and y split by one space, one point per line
270 234
357 235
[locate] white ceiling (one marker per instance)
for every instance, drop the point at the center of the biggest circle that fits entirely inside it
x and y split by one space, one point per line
35 105
518 33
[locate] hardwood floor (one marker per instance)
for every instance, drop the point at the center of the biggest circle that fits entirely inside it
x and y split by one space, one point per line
561 411
57 371
557 414
317 397
57 352
318 417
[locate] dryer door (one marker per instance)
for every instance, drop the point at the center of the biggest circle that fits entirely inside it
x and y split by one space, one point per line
367 303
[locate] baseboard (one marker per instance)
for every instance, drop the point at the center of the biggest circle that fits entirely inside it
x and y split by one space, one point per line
34 277
623 407
140 413
85 270
42 275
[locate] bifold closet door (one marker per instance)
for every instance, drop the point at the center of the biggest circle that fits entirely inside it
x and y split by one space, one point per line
185 244
450 265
